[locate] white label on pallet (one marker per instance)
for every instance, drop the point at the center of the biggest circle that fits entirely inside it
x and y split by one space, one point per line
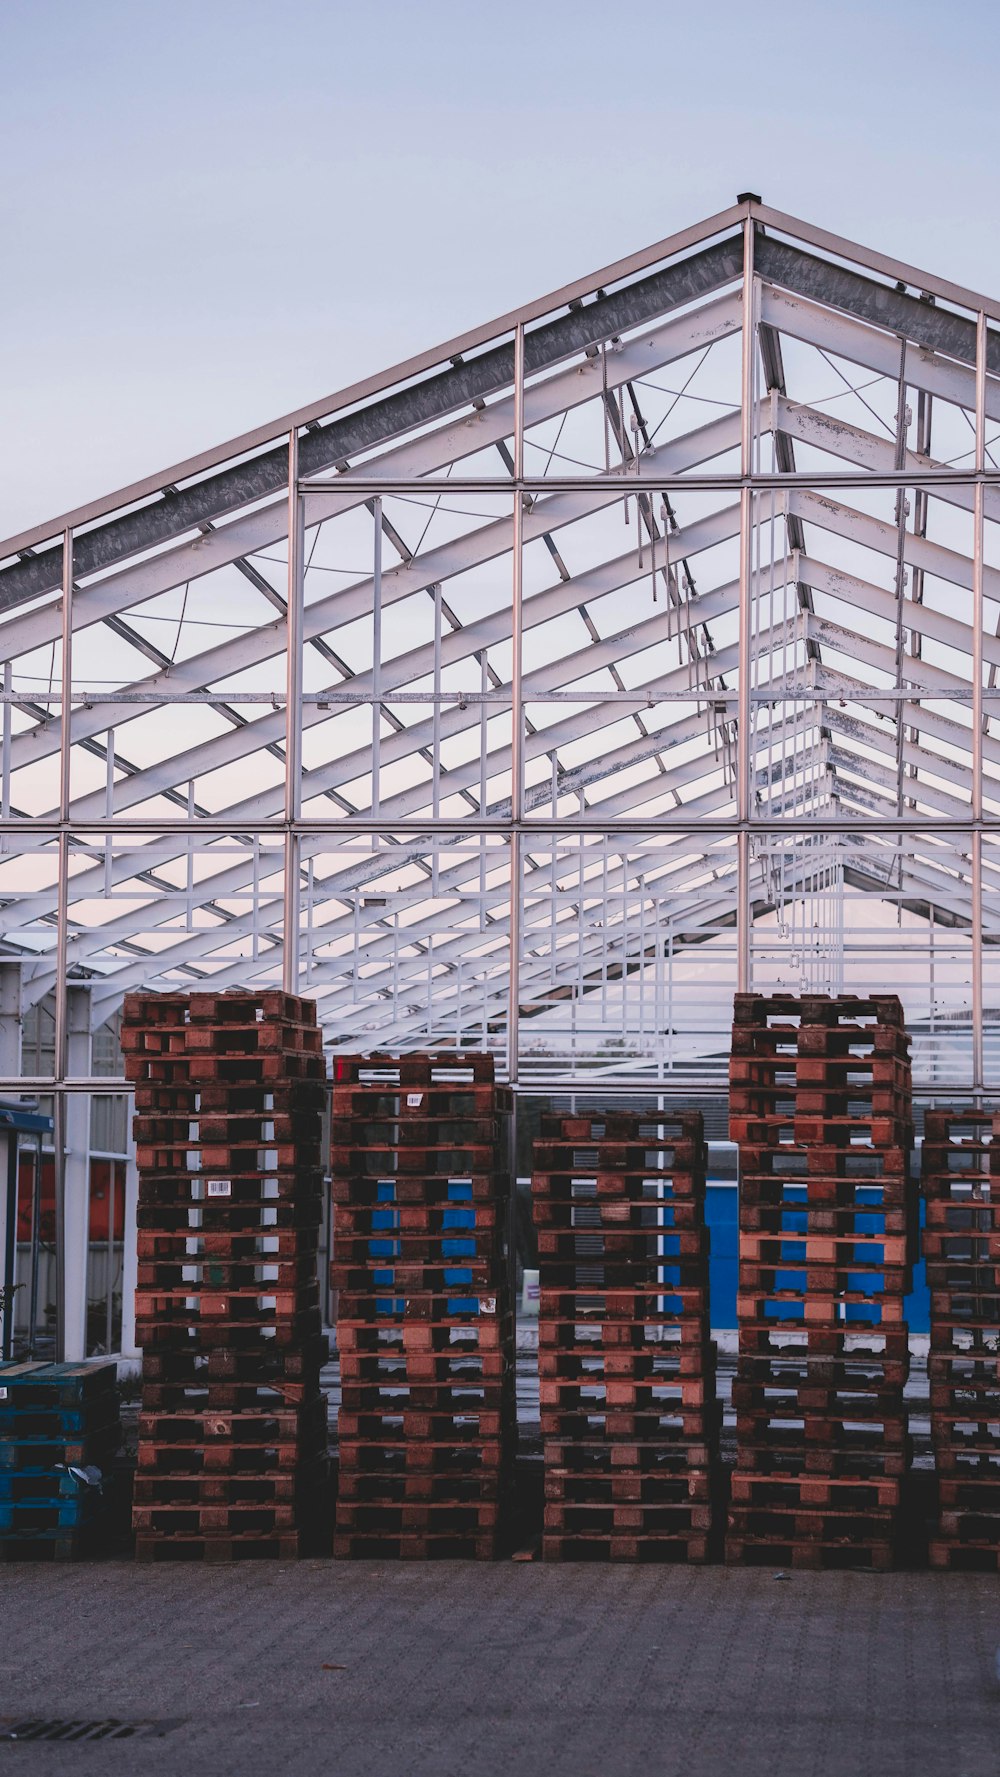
3 1394
219 1187
414 1098
487 1304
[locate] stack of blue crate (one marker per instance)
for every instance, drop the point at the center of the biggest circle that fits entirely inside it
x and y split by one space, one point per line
60 1431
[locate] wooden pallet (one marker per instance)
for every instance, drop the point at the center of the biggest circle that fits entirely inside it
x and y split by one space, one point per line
584 1363
57 1545
876 1557
384 1304
422 1369
665 1395
175 1334
853 1460
827 1338
798 1373
237 1397
231 1490
97 1446
255 1358
193 1461
660 1456
408 1486
666 1550
281 1545
450 1335
418 1518
445 1456
351 1546
416 1426
601 1486
32 1384
847 1493
778 1399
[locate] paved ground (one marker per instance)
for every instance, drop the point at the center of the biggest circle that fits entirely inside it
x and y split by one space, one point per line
458 1670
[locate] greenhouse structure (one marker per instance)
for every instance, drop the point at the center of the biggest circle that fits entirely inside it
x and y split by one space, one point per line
535 695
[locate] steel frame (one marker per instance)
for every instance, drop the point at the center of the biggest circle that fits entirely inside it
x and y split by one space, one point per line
603 800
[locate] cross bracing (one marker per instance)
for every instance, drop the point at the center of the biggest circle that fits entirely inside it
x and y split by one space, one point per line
542 691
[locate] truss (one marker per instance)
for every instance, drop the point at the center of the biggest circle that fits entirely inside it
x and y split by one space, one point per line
639 646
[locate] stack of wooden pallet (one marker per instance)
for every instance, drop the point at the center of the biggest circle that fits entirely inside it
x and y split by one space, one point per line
59 1433
820 1106
629 1415
961 1181
229 1090
421 1188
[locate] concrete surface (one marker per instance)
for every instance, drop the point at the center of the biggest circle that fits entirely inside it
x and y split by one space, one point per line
459 1670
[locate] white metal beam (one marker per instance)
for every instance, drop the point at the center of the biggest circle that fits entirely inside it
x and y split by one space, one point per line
437 449
830 330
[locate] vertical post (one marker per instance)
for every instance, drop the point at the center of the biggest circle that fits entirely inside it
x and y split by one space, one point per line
484 738
130 1251
436 735
62 924
10 1067
376 663
36 1242
9 1140
745 618
76 1176
512 1156
516 716
484 685
8 683
8 1225
514 999
293 718
109 810
109 1292
978 545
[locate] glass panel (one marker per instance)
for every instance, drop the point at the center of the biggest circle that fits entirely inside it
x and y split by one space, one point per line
628 957
866 913
407 941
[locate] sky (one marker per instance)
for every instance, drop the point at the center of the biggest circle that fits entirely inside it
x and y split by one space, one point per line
214 211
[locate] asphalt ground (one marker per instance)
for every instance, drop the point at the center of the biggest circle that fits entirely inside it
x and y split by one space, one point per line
373 1669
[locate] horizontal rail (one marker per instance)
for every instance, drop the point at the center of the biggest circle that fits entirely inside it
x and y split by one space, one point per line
645 699
705 1084
762 481
502 824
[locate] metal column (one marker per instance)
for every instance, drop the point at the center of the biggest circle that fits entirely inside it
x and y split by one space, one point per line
60 1107
130 1251
978 545
293 720
75 1227
10 1065
516 718
745 620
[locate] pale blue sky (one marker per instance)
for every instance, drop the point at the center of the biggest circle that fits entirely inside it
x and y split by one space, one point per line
215 210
